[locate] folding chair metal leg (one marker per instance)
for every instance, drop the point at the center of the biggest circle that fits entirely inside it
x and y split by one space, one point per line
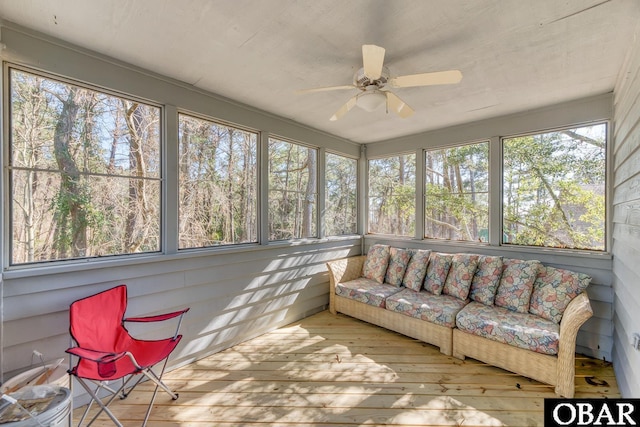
149 374
158 381
126 392
99 386
104 407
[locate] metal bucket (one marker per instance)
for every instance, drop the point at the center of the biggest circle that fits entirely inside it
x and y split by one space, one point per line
55 415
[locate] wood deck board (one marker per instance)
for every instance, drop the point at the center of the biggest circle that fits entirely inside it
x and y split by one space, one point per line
337 371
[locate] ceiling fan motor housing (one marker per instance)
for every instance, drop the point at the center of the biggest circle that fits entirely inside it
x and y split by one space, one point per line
361 81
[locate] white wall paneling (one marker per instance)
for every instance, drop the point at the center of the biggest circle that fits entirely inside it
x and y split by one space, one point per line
626 223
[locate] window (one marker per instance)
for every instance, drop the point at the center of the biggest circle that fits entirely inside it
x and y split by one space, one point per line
456 193
554 188
341 203
217 184
392 195
84 171
292 190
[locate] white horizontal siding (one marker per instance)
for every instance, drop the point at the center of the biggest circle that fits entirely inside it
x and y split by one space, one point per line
626 222
233 297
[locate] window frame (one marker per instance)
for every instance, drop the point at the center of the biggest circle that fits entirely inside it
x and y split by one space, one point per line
267 199
357 195
488 192
495 193
241 128
167 247
7 164
417 222
607 188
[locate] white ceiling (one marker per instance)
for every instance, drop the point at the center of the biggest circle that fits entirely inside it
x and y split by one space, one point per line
514 55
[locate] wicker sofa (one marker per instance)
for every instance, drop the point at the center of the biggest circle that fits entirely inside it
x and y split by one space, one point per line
518 315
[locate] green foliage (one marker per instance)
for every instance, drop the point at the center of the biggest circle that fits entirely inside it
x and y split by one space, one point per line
554 187
392 195
456 205
292 190
340 216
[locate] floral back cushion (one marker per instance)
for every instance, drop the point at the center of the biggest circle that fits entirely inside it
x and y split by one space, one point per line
553 290
437 271
375 266
516 284
417 268
398 262
486 280
460 275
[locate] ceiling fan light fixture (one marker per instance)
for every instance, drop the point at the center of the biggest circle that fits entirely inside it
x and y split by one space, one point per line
371 100
374 76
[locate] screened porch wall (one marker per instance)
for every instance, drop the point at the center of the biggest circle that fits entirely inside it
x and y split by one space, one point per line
626 222
596 335
235 292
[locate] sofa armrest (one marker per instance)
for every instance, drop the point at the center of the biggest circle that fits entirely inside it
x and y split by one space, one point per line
345 269
576 313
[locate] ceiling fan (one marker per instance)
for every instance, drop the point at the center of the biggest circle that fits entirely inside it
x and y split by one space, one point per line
372 78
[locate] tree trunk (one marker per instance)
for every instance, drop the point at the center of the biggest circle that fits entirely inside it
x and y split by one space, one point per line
230 220
137 201
400 227
310 195
474 214
29 191
72 221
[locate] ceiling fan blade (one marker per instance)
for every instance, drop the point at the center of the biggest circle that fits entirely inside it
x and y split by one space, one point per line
398 106
324 89
427 79
344 109
372 59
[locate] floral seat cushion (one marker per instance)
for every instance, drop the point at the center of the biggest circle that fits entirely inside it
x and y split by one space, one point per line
365 290
500 324
438 309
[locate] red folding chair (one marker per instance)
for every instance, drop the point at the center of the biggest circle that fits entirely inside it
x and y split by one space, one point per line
107 352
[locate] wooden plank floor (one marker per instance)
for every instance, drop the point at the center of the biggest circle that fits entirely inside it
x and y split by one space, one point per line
337 371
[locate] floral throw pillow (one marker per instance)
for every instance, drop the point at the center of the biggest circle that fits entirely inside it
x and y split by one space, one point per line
417 268
554 289
375 266
398 261
460 275
516 284
437 270
486 280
